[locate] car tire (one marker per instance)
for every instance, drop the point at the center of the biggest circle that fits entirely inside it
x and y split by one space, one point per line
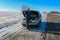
23 24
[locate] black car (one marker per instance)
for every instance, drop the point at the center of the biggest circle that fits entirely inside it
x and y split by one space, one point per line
34 20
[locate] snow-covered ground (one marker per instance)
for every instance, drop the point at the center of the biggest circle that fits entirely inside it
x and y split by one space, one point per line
8 20
9 24
6 31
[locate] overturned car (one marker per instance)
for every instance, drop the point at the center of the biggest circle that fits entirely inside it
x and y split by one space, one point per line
34 20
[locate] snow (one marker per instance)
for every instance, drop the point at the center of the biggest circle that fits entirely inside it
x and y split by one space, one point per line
9 25
5 21
5 32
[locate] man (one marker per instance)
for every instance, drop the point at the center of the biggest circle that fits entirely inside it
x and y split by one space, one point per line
43 25
27 16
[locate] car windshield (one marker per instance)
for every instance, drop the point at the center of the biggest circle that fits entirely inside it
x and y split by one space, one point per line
34 14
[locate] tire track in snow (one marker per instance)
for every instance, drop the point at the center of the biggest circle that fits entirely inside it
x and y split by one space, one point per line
6 31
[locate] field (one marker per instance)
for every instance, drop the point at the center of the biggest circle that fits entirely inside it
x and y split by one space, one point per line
12 29
9 23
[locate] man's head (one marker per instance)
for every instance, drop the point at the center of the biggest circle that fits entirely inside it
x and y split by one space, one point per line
28 9
25 8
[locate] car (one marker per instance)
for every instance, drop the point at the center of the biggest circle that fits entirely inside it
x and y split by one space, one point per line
34 20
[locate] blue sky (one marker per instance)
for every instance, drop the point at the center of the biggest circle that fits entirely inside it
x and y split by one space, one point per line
40 5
